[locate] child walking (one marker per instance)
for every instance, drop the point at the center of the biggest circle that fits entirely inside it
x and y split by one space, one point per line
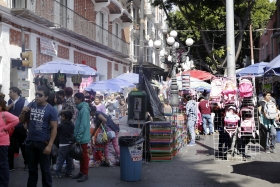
65 132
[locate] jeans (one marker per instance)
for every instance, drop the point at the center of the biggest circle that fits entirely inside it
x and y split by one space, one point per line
63 154
84 161
4 167
18 135
191 128
34 154
207 118
271 134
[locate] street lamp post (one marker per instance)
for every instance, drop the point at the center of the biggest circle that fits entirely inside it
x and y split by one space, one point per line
173 60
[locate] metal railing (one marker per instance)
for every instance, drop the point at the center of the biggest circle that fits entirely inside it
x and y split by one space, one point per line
63 16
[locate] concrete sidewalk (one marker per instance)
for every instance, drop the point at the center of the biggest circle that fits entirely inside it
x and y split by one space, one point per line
192 167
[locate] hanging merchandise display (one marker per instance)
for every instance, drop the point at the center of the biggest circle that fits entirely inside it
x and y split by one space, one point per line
44 80
77 80
59 79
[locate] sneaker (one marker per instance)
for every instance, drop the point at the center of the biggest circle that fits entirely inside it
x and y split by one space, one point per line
267 151
272 149
191 144
79 175
56 176
11 169
83 178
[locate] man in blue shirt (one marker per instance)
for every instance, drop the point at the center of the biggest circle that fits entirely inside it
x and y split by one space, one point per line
42 129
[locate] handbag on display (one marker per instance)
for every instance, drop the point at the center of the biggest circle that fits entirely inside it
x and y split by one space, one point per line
11 131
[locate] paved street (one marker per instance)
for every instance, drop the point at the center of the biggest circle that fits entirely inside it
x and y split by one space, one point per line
193 167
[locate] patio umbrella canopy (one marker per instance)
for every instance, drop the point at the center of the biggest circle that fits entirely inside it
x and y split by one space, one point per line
121 83
104 87
87 70
253 70
273 67
201 75
130 77
62 66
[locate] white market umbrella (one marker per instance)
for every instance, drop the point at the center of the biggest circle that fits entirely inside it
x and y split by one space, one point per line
130 77
122 83
104 87
88 70
56 66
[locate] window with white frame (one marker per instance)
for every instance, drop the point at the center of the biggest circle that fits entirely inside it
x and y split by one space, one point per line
101 21
18 4
63 11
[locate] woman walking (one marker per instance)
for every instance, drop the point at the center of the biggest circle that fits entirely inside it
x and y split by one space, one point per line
7 122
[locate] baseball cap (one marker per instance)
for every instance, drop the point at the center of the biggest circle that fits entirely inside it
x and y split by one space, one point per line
232 107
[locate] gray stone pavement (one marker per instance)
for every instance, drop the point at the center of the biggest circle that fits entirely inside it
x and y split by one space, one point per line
192 167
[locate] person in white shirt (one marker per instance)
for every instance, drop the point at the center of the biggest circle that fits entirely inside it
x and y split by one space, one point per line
15 106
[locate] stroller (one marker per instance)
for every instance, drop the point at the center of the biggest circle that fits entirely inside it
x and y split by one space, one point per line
229 91
231 121
247 124
216 91
246 91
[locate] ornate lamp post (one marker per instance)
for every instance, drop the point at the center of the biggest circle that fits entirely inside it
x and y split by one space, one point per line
174 60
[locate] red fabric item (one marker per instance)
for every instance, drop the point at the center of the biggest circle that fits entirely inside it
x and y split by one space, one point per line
84 161
201 75
204 107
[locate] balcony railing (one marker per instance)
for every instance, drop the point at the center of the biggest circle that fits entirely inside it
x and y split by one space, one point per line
70 22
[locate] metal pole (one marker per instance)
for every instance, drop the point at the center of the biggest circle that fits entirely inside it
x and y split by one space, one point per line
230 38
22 39
251 45
140 57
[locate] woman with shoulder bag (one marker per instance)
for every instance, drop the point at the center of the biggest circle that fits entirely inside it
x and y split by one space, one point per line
268 122
7 122
101 119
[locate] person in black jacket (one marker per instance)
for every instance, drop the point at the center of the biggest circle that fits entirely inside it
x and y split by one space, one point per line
65 132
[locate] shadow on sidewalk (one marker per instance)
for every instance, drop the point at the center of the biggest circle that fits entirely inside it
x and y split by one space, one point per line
268 171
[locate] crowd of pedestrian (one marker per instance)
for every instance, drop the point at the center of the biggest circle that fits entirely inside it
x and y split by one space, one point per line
55 121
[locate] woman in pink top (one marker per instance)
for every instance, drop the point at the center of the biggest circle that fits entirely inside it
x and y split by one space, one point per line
7 121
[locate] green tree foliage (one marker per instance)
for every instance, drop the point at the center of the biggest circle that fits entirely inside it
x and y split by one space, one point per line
205 22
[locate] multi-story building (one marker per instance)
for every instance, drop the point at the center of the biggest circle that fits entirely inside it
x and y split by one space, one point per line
103 34
269 40
155 28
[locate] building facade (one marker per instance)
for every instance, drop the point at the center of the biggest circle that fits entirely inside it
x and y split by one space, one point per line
99 33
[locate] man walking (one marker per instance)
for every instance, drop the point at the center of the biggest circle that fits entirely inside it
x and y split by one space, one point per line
82 134
42 128
15 106
191 112
205 111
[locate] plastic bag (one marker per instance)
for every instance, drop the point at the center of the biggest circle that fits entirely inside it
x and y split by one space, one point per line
111 134
54 150
129 131
76 152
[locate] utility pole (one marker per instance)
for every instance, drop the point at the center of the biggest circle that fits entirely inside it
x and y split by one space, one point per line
251 42
140 57
230 38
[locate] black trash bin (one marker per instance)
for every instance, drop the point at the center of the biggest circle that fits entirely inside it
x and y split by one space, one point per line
131 149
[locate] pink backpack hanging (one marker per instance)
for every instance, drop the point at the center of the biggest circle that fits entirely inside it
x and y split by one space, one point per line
245 88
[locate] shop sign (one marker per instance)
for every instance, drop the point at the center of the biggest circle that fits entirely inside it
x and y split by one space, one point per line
25 93
136 152
47 47
23 85
22 75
